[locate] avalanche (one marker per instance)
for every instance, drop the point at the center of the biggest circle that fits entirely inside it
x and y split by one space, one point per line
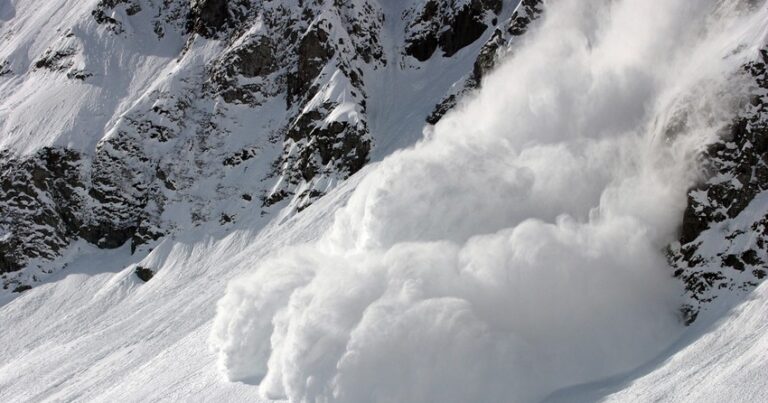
516 252
519 248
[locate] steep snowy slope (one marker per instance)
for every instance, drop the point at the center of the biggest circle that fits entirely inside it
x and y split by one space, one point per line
720 359
235 201
517 250
728 363
96 332
131 120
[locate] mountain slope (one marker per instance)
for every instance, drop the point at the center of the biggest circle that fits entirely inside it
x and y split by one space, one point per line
240 201
722 358
160 118
118 338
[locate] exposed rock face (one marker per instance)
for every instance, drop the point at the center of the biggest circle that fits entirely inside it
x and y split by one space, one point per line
207 17
144 273
254 59
323 149
217 18
56 196
317 150
449 25
102 13
298 72
527 12
63 57
166 14
467 26
4 68
502 41
724 243
119 195
42 199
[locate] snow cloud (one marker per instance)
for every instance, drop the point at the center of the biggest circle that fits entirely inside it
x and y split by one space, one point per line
518 248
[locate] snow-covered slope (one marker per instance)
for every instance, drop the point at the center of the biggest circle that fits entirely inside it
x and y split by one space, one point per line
723 358
131 120
729 362
239 201
96 332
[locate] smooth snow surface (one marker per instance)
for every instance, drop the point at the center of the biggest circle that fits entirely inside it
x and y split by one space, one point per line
728 364
519 248
723 360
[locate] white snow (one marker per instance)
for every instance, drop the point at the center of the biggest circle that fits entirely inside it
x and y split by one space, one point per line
512 254
722 358
729 362
40 107
97 333
516 251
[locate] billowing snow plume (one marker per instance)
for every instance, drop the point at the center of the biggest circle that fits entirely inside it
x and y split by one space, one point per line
520 247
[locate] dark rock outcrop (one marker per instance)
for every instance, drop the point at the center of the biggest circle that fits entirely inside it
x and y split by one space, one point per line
144 273
737 167
448 26
305 64
164 15
467 26
313 54
41 197
207 17
501 42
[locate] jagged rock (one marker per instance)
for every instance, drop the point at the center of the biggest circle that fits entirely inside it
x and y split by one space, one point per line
119 195
304 64
144 273
41 197
255 58
488 56
103 7
313 54
56 60
501 42
526 12
737 167
5 69
22 288
212 18
241 156
451 26
321 148
467 26
164 14
48 201
422 46
208 16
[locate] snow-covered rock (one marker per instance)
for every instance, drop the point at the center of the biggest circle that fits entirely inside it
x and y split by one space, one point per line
177 114
723 246
415 200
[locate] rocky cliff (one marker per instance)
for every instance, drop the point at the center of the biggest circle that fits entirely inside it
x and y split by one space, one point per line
234 106
723 247
243 105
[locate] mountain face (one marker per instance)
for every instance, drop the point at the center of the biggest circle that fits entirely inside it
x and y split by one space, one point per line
235 107
723 244
153 151
257 106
